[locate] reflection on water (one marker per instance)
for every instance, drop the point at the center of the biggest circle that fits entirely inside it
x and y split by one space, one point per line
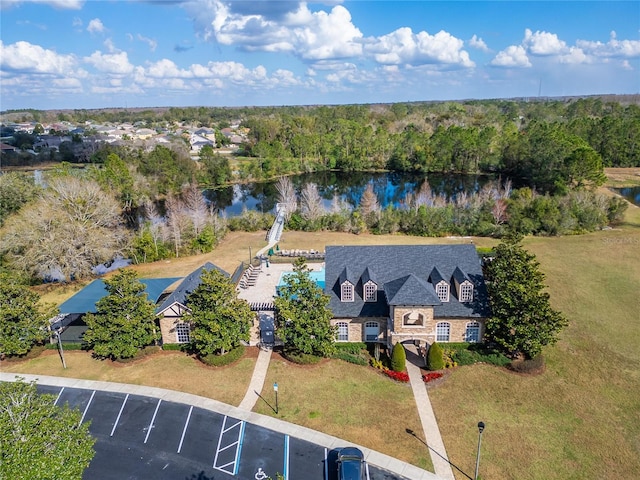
390 188
630 193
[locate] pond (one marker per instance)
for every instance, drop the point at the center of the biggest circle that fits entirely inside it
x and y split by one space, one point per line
390 188
632 194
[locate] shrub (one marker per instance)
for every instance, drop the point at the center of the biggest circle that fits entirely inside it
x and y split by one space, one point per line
530 366
66 346
431 376
435 357
348 357
353 348
377 364
222 360
143 352
399 376
398 358
300 358
175 346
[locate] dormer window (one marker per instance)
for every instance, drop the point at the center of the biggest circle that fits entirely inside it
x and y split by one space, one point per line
442 290
466 292
346 292
370 292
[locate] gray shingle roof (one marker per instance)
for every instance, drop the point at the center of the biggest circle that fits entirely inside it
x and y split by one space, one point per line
188 285
404 272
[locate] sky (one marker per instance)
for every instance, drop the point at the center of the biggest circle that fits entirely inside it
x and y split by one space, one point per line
84 54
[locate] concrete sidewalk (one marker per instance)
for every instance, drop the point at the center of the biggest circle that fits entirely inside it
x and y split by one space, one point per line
257 380
430 428
381 460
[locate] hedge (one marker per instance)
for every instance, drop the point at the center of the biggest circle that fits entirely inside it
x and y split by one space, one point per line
222 360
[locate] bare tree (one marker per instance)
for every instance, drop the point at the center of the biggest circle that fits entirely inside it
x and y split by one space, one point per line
311 202
176 221
195 207
287 195
369 201
70 229
499 211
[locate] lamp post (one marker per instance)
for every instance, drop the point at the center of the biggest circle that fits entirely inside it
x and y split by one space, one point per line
275 389
480 429
64 364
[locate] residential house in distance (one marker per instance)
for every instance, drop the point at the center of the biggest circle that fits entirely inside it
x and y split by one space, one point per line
397 293
172 309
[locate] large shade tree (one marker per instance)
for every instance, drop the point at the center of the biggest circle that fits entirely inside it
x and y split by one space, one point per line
39 440
220 320
523 321
304 318
71 228
124 321
23 322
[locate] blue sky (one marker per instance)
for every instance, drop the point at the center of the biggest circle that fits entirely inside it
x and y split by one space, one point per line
126 53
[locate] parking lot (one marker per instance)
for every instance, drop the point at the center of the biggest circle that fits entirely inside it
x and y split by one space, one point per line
141 437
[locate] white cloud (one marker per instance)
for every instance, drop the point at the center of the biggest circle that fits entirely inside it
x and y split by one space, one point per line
110 46
513 56
405 47
543 43
613 48
153 44
95 26
574 56
26 57
478 43
115 63
254 26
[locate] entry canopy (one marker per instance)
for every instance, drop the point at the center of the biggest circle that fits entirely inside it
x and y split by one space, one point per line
85 300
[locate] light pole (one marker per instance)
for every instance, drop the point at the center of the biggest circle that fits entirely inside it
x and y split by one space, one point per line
64 364
480 429
275 389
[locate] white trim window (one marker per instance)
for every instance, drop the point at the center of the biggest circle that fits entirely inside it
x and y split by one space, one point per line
183 332
442 290
343 331
443 331
472 333
371 331
370 291
466 292
346 292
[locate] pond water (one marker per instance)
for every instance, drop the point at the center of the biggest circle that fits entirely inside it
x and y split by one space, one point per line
390 188
632 194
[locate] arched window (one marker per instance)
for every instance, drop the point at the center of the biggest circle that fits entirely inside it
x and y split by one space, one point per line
466 292
183 332
472 335
346 292
371 331
443 330
370 291
343 331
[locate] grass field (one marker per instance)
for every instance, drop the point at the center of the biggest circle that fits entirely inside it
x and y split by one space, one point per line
172 370
580 419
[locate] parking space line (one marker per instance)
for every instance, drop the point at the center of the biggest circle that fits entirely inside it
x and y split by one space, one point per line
59 395
119 414
87 407
326 464
237 443
240 443
184 430
286 458
152 420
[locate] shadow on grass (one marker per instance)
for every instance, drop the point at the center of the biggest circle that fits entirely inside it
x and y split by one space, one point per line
265 401
413 434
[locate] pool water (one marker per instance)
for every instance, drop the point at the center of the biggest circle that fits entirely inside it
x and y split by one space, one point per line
316 275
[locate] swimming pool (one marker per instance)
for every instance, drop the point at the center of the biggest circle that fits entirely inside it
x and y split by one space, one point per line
316 275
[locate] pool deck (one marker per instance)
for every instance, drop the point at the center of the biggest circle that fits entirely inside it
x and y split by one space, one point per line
265 288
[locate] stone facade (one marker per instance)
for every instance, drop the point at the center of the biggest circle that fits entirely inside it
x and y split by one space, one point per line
357 328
